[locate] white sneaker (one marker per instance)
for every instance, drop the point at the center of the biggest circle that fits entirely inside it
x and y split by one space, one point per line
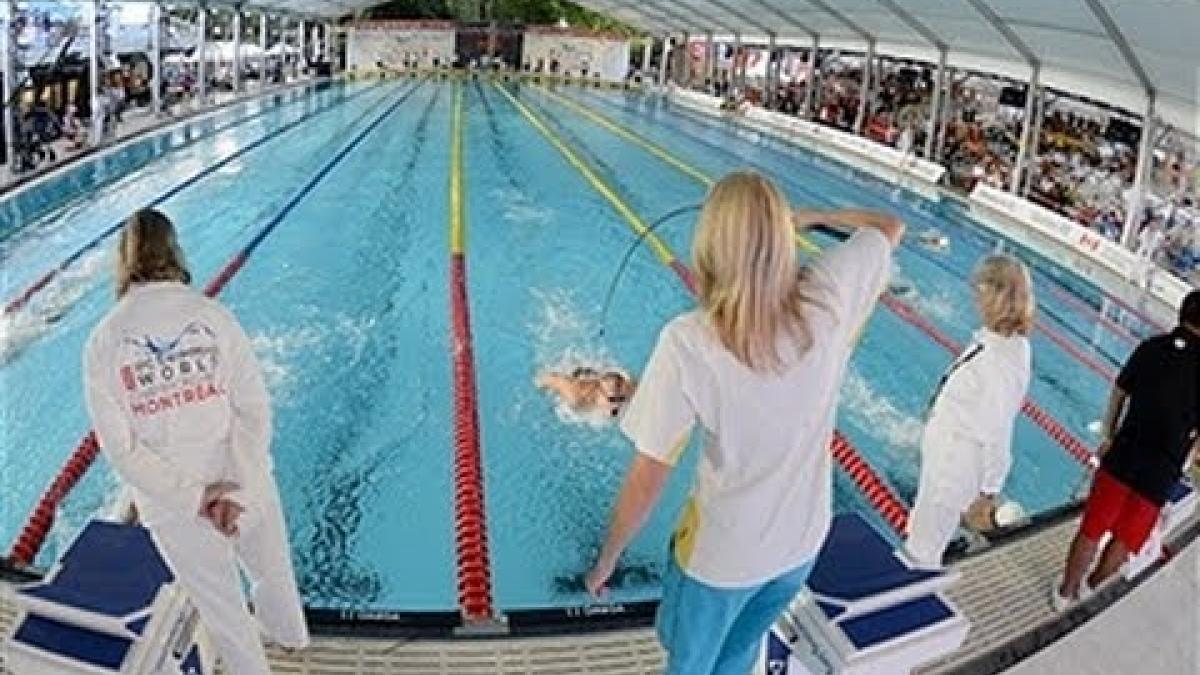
1060 603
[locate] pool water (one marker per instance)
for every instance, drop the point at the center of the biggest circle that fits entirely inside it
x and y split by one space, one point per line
347 303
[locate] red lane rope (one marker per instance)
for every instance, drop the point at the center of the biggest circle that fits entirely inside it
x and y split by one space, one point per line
470 533
878 493
33 535
1046 422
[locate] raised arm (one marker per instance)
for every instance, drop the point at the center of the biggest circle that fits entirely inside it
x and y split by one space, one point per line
852 219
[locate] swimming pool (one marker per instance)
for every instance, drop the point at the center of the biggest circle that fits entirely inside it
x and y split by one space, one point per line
347 300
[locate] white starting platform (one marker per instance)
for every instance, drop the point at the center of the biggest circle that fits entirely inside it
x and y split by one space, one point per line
109 606
1181 505
867 611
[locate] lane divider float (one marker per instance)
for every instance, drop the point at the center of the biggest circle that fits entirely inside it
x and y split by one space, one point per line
470 519
33 535
876 490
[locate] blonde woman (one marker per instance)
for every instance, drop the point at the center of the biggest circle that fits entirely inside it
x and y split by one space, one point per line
758 365
181 412
966 447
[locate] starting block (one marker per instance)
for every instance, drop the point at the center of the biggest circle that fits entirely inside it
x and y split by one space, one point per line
866 611
109 606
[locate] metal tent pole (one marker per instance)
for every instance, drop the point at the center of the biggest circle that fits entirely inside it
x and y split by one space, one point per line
8 94
1031 94
202 56
810 90
237 48
156 78
94 72
771 82
664 60
264 24
868 83
935 105
1144 161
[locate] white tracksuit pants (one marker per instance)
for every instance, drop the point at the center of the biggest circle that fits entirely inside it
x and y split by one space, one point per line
951 478
206 565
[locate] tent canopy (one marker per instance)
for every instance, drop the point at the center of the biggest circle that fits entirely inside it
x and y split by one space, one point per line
1117 51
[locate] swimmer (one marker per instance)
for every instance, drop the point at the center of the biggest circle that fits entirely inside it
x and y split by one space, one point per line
934 240
587 390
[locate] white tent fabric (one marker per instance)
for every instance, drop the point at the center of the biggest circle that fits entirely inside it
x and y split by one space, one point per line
1116 51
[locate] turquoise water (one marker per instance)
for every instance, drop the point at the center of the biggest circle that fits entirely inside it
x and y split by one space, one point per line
347 304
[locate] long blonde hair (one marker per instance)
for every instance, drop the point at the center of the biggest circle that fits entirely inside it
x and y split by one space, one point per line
749 281
149 251
1004 292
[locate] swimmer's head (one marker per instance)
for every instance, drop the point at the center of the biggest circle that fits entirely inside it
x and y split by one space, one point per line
617 390
1004 295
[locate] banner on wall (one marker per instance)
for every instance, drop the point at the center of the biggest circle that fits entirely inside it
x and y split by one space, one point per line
394 42
576 52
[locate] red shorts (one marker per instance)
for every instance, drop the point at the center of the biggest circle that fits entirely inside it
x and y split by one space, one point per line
1114 507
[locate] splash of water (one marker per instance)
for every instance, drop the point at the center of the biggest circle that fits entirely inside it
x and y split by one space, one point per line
899 433
564 339
23 327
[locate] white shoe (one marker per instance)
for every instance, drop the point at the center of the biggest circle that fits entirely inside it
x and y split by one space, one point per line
1060 603
1085 591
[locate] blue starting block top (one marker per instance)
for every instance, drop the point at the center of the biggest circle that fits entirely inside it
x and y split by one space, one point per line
857 563
110 569
1180 491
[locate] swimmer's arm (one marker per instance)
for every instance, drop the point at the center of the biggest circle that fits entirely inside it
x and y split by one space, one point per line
852 219
643 486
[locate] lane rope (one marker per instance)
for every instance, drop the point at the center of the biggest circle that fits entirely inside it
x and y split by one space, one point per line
33 535
653 148
876 490
470 519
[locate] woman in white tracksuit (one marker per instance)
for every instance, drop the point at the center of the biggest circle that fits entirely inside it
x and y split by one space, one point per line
966 447
182 414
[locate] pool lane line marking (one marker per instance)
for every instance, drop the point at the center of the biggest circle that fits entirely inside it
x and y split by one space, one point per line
878 493
1053 428
31 537
653 148
30 291
474 569
634 221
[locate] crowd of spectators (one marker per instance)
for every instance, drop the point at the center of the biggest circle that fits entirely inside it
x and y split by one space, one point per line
1079 168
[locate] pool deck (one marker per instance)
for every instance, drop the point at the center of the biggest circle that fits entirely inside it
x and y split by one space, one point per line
1004 591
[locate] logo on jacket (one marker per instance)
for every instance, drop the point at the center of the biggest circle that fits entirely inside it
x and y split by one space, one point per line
165 373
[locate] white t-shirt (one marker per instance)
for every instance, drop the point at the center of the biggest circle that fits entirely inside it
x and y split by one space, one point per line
178 400
762 501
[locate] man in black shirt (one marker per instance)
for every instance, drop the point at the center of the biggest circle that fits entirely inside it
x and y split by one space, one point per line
1156 402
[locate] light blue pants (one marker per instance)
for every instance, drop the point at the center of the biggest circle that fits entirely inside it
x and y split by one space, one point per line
717 631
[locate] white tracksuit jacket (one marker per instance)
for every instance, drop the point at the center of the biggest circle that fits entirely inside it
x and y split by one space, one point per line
178 402
966 449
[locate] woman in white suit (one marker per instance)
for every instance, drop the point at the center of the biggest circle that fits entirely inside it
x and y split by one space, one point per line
182 414
966 450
